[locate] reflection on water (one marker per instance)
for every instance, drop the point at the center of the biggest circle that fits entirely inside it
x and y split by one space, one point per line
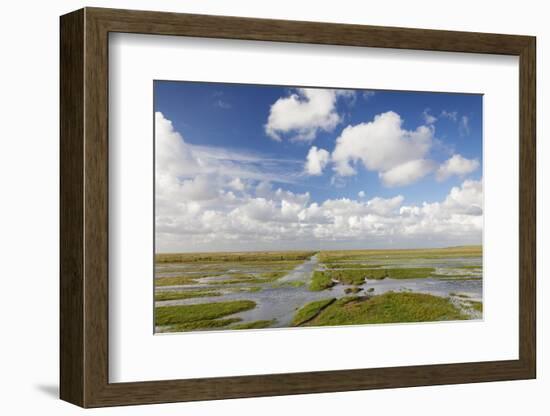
279 300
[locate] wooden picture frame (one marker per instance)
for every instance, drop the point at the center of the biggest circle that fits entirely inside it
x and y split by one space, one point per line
84 207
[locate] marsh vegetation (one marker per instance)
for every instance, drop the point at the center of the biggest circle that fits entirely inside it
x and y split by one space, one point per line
254 290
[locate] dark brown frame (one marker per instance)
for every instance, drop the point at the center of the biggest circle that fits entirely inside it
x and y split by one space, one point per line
84 207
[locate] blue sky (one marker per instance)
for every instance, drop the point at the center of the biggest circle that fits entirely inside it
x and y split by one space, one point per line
433 144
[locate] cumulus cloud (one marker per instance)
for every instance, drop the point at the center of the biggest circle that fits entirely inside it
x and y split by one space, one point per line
456 165
407 173
199 188
466 199
283 219
460 215
237 184
302 114
174 156
316 161
199 206
385 206
383 145
192 179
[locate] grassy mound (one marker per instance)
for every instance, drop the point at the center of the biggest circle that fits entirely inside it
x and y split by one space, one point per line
390 307
197 325
185 315
254 325
320 281
187 294
310 310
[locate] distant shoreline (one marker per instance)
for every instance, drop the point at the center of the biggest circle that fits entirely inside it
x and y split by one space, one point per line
471 250
469 246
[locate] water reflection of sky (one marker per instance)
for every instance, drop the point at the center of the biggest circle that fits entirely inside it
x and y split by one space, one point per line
280 301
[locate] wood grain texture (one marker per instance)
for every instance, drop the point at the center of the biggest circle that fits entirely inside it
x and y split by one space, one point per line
528 207
96 220
71 208
84 207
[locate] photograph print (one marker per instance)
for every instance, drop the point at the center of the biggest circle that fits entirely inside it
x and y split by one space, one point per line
294 206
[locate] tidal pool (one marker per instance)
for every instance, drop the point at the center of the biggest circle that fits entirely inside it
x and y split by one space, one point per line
279 299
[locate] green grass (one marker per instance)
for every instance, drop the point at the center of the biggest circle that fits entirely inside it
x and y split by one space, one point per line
236 278
456 277
351 266
258 256
478 306
410 273
293 283
254 325
399 273
206 324
188 294
185 314
452 276
320 281
349 277
357 277
405 254
390 307
459 295
271 276
233 278
193 274
210 269
310 310
175 281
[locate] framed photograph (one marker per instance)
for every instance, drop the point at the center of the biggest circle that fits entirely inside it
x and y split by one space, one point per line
256 207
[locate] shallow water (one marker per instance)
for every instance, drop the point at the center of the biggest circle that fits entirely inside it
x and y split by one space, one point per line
275 301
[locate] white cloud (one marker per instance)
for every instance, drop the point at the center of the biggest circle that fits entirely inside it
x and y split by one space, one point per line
361 194
175 157
201 207
265 190
464 126
237 184
451 115
428 118
191 179
199 188
223 104
385 206
468 199
172 155
283 219
456 165
383 145
367 94
407 173
258 209
460 214
302 114
316 161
